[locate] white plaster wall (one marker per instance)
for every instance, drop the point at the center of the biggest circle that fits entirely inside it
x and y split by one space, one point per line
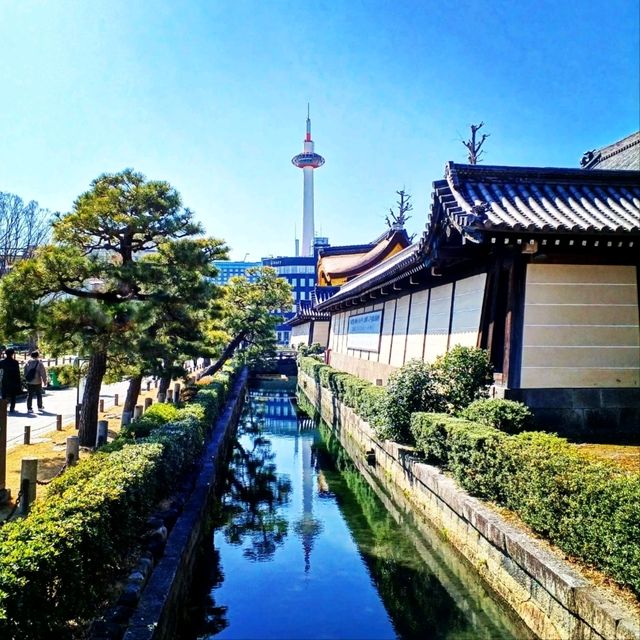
417 317
438 325
467 309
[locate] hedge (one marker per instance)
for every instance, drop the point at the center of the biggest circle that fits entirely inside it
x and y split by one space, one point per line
58 563
589 509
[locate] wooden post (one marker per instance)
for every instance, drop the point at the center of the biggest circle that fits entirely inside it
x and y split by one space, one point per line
103 430
5 494
115 399
148 385
169 395
147 403
101 405
126 418
27 434
28 477
58 422
155 383
137 411
73 450
176 392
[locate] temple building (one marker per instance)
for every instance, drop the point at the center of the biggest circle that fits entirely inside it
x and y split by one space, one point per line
537 265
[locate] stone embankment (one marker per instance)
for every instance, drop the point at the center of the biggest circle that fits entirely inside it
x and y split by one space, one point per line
552 599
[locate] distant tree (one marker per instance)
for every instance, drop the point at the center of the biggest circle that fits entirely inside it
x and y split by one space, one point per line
250 315
23 227
126 251
404 206
473 145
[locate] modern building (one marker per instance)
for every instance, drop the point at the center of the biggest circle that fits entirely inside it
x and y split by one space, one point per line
540 266
227 269
299 272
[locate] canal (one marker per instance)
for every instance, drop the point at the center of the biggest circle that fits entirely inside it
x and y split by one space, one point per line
306 546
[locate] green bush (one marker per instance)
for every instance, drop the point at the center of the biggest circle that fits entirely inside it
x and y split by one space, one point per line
67 374
506 415
462 375
370 406
58 563
410 389
588 509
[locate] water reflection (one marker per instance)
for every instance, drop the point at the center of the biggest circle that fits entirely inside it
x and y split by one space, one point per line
309 550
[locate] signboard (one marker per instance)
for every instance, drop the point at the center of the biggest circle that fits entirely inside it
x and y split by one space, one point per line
364 331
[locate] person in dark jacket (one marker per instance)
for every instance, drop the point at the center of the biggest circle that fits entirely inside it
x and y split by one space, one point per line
11 384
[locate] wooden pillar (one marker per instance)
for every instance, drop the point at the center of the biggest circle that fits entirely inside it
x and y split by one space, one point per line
103 430
73 450
28 477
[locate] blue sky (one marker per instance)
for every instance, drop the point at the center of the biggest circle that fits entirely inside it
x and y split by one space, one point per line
212 97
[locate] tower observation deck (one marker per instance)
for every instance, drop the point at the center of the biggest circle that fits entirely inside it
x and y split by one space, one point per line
308 160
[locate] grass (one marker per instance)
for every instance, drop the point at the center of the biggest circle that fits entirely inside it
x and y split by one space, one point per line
50 449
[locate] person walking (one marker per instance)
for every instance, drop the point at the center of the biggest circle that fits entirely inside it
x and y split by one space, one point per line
36 376
11 384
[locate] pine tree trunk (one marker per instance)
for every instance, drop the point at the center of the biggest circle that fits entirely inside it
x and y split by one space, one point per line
88 426
165 381
135 384
226 354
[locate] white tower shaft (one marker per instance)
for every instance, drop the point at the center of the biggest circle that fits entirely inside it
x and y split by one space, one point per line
307 213
308 160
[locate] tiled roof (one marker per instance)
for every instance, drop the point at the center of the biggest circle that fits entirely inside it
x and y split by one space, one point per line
305 312
624 154
479 198
401 264
320 294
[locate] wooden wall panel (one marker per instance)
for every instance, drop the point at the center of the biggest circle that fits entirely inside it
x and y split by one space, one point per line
415 339
438 326
400 332
467 309
581 327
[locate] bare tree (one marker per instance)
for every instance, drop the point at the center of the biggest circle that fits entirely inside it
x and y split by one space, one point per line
473 146
404 206
23 227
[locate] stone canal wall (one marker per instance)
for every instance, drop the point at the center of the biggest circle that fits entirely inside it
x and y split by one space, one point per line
552 599
158 614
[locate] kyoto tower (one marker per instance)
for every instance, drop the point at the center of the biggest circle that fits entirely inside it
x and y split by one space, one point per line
308 160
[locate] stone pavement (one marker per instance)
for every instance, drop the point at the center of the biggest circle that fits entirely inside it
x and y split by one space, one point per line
56 402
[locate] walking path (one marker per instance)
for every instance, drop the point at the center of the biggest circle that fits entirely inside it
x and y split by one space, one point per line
56 402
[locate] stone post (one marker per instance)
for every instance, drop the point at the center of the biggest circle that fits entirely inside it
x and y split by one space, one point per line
103 430
28 477
176 392
148 385
101 405
169 395
137 411
147 403
58 422
27 434
161 396
126 418
73 450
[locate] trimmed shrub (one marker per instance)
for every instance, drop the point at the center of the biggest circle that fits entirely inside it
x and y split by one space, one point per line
506 415
410 389
67 374
588 509
462 375
58 563
370 405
